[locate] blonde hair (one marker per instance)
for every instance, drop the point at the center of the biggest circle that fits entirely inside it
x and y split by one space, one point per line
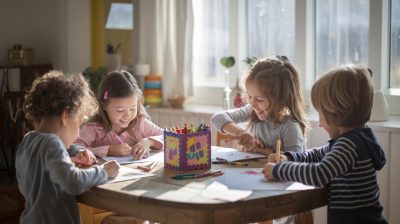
54 92
278 80
118 84
344 96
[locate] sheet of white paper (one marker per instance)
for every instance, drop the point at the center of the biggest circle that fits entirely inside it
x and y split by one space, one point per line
126 173
154 157
253 179
234 154
219 191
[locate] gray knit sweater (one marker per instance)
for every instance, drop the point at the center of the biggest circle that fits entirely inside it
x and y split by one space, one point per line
288 131
49 180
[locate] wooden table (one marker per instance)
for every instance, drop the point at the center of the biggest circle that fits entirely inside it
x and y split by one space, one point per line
139 198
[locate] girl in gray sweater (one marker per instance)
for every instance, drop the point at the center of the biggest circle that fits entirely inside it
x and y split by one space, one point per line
275 109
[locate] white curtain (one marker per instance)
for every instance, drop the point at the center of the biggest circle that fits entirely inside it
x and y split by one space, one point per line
165 37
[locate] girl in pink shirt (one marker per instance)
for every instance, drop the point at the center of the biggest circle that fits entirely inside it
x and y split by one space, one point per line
121 126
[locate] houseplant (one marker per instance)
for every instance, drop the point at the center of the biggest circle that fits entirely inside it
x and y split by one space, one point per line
227 62
94 75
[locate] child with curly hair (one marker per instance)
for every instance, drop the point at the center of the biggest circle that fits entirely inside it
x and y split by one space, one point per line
47 178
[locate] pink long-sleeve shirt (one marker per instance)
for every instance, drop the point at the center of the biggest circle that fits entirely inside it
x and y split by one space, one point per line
93 136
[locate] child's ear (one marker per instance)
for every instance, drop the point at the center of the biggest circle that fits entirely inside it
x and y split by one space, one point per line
64 117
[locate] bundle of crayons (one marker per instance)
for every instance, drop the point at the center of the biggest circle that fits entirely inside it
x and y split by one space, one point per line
188 129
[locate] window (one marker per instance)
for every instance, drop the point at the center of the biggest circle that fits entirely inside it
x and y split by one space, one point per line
120 16
316 35
395 45
342 30
271 28
210 41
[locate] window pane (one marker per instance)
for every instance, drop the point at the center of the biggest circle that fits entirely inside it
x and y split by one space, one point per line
395 45
342 31
210 40
271 28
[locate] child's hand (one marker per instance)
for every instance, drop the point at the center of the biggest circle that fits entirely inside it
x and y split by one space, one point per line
267 171
141 149
250 143
112 168
84 158
272 158
119 150
88 154
245 141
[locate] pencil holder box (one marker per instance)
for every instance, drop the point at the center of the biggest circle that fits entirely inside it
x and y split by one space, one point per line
189 151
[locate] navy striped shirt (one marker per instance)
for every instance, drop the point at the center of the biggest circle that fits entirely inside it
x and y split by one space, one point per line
346 165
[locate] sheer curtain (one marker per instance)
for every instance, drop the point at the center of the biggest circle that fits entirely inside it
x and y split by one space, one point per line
271 29
165 37
211 38
342 33
395 45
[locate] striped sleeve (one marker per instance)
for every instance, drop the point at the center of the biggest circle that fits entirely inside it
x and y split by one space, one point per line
310 156
318 166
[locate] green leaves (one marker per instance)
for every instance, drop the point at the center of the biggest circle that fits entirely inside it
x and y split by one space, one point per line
94 75
250 60
227 62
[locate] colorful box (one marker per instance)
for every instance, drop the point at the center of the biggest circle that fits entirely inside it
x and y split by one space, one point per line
186 152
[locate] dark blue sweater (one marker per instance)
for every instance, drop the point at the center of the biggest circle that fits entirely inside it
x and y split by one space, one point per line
347 166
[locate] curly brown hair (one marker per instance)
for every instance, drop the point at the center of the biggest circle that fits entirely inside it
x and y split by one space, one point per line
55 92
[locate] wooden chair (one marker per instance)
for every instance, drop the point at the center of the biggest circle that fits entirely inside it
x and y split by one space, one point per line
305 218
221 138
91 215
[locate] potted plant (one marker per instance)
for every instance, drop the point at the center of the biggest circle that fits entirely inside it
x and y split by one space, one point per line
227 62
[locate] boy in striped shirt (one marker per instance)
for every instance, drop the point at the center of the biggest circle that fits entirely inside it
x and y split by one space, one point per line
347 165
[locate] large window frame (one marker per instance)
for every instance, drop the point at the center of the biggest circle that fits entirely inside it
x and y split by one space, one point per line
304 60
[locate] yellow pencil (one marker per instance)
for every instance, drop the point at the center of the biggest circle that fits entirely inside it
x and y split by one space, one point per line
278 150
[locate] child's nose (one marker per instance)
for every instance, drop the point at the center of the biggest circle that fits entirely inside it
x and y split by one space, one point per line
127 113
252 103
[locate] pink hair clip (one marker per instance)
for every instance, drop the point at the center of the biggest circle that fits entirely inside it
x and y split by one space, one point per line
105 96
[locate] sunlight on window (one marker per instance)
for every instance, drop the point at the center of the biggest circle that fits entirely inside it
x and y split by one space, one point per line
271 28
342 31
395 45
120 16
210 40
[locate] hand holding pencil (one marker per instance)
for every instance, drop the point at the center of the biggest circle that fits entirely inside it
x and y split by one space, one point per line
120 148
247 142
277 157
278 150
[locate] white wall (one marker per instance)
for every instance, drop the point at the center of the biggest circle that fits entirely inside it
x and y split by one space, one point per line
58 31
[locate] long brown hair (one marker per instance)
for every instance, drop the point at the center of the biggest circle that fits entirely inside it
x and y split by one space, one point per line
118 84
278 80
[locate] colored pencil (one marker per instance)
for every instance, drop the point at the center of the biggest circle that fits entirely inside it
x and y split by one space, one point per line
232 138
278 150
117 138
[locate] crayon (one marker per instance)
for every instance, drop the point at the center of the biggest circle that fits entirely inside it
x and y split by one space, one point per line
117 138
231 139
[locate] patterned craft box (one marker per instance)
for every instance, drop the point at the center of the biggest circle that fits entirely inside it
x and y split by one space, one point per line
186 152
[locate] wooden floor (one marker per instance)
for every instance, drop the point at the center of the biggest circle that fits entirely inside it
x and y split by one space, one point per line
11 201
